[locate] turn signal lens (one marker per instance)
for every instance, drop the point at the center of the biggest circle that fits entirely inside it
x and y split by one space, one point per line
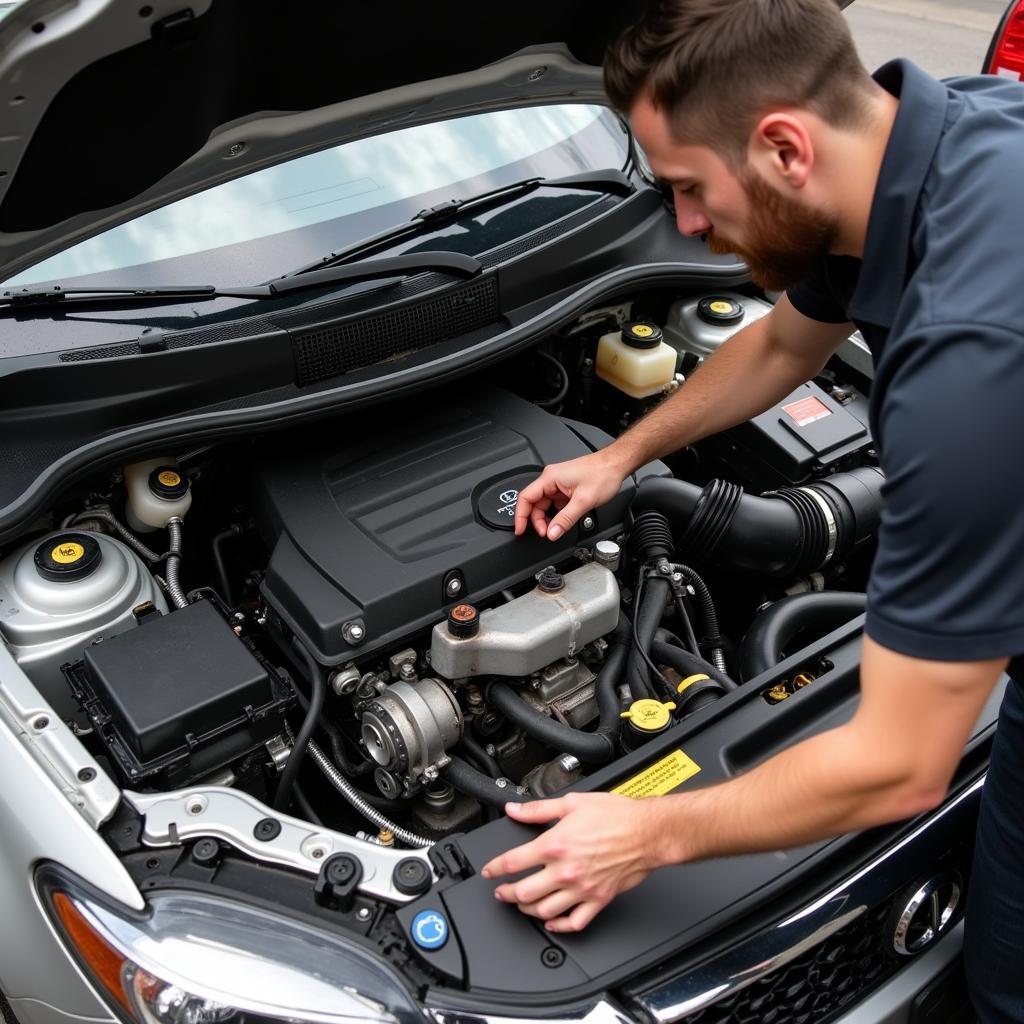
104 962
200 958
145 998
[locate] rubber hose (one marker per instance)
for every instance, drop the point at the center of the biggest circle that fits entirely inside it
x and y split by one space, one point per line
306 807
341 758
485 760
652 609
776 626
466 779
174 589
355 798
687 664
782 533
606 689
218 562
101 515
563 382
712 637
590 747
318 689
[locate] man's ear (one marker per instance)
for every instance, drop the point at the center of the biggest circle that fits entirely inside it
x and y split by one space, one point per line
781 146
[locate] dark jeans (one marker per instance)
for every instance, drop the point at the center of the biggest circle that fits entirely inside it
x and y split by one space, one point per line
994 950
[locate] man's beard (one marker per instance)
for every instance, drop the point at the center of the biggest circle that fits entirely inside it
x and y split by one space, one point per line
787 242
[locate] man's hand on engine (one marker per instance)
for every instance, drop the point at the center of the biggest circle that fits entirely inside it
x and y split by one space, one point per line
602 845
573 489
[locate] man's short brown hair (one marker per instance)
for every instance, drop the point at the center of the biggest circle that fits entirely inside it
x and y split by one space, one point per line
714 66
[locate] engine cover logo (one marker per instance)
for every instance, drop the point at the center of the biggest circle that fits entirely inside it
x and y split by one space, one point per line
496 503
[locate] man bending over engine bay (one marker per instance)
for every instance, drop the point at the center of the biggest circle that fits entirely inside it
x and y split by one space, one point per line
891 203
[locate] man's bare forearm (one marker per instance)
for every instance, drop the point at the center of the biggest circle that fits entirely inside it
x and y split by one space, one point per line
859 775
747 375
787 802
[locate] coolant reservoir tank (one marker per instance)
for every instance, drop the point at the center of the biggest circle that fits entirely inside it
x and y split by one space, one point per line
157 491
701 324
636 359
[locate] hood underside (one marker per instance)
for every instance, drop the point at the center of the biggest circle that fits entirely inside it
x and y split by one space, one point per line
114 108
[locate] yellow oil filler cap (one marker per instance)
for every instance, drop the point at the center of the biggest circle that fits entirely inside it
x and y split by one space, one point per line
67 557
689 681
644 719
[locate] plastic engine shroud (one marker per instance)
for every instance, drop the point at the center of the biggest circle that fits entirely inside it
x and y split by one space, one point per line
375 522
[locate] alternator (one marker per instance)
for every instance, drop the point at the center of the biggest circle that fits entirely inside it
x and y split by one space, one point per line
409 727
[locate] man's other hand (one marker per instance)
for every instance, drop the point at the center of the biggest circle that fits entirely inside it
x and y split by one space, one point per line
572 489
602 845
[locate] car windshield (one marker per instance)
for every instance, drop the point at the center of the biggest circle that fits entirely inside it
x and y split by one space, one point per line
265 223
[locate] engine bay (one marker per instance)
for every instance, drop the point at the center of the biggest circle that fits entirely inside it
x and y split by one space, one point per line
338 623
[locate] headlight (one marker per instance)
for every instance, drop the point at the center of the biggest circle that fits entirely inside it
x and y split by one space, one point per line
200 959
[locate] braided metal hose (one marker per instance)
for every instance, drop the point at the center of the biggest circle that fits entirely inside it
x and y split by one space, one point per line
352 795
174 589
102 515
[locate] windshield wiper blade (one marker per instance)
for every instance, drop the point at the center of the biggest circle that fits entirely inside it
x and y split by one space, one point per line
396 267
609 180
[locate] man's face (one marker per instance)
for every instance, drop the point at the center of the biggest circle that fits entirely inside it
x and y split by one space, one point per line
781 239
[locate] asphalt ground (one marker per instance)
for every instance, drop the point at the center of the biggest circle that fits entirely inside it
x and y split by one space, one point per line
945 37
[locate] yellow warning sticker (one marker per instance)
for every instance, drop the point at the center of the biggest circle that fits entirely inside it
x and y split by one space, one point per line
169 478
722 307
67 552
643 330
662 777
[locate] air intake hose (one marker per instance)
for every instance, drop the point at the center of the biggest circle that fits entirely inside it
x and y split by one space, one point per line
782 533
773 629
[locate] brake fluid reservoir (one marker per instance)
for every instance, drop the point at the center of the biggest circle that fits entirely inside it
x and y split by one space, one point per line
60 594
157 491
701 324
636 360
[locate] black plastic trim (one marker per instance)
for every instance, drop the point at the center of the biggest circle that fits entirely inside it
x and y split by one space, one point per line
205 427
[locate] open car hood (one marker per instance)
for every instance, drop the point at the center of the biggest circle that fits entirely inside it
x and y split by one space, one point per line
113 108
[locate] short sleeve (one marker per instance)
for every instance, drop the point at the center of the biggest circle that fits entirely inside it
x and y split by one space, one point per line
948 578
819 297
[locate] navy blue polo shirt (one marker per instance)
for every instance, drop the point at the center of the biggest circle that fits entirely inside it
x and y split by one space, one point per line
939 297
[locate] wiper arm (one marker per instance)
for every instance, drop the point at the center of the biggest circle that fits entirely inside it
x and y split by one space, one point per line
396 267
609 180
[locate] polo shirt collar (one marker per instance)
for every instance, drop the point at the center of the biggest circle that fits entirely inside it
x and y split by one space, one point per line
919 125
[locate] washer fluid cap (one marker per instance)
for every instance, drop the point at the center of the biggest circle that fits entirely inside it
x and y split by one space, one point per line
642 334
168 483
649 715
68 557
720 311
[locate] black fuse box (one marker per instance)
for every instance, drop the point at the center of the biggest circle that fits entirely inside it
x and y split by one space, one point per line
179 697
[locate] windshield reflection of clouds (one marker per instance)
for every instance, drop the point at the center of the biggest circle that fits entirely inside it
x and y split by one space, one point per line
356 176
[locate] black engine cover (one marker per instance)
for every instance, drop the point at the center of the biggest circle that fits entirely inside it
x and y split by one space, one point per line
371 522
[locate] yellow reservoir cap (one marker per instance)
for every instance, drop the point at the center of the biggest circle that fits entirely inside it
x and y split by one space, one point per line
68 552
649 714
690 680
169 478
723 307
